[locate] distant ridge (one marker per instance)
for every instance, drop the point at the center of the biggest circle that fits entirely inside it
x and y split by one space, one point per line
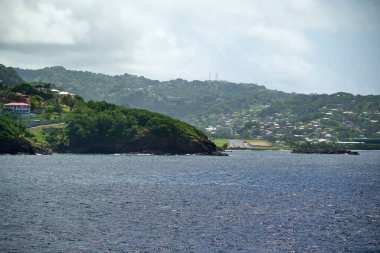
142 92
8 76
231 110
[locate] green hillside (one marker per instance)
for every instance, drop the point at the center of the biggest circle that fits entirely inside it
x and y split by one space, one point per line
12 140
229 110
66 123
177 98
101 127
8 76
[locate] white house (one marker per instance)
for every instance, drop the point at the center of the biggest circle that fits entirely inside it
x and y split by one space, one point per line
62 92
21 108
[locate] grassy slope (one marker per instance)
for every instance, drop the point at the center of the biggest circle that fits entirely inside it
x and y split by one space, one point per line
40 132
220 142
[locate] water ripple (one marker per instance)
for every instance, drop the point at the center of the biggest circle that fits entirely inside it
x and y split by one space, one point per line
248 202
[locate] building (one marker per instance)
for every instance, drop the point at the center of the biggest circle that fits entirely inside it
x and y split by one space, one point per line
62 92
22 98
21 108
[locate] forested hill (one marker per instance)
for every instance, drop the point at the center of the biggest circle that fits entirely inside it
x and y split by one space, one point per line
8 76
227 109
177 98
67 123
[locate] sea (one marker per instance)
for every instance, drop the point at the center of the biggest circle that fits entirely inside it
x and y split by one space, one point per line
250 201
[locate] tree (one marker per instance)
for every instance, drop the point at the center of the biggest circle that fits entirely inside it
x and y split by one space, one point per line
69 101
10 128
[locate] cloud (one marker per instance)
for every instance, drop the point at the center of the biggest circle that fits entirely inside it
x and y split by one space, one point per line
39 23
269 42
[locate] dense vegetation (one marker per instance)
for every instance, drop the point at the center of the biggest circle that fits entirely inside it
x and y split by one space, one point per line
108 128
178 98
8 76
10 128
12 139
66 123
233 110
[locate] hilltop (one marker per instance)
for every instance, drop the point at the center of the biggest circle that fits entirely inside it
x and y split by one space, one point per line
64 122
8 76
229 110
177 98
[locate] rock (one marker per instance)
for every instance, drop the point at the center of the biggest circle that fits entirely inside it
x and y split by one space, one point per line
16 146
43 150
324 151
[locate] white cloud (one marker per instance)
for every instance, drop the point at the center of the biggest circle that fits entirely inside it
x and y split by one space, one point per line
184 38
289 71
42 22
285 40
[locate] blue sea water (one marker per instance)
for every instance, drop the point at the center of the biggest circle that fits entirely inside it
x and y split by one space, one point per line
251 201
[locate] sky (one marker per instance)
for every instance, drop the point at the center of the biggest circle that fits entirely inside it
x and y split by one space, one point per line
303 46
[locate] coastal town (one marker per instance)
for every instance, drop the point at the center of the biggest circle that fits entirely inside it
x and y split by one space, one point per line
262 132
281 128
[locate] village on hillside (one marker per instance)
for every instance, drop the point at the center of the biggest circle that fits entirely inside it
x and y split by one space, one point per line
33 110
281 126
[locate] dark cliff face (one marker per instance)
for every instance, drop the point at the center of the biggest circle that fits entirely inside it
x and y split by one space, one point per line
16 146
171 145
149 144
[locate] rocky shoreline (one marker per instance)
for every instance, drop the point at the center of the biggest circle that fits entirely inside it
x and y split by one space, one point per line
21 146
324 151
17 146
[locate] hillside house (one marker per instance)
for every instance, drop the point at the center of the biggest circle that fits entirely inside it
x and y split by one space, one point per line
62 93
22 98
21 108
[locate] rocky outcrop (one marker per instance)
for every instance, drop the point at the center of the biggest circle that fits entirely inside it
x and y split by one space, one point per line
21 146
324 151
170 145
16 146
43 150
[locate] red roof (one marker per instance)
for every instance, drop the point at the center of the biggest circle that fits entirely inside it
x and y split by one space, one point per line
14 103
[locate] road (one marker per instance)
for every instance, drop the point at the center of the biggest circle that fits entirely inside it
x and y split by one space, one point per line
238 144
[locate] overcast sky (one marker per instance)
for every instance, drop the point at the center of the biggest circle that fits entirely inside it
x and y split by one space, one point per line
290 45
